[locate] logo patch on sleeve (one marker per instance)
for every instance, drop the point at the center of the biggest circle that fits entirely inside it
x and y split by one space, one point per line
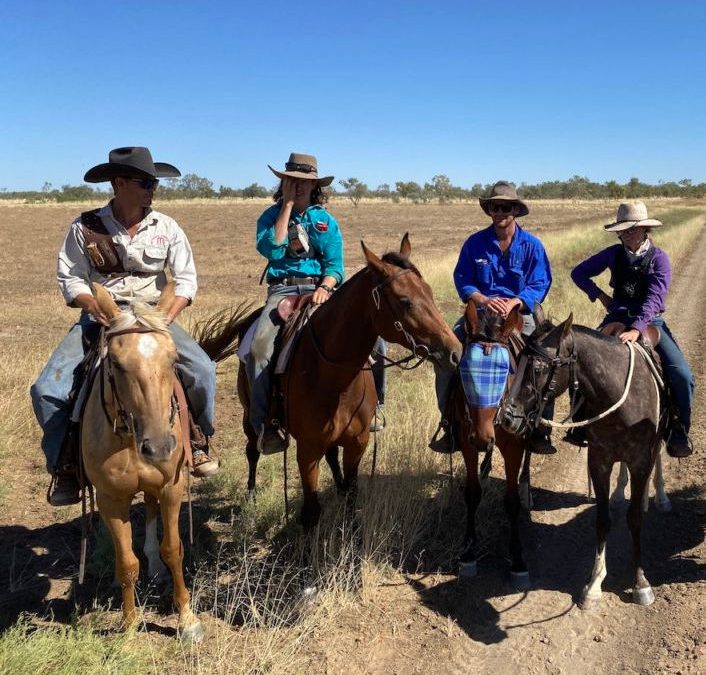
321 226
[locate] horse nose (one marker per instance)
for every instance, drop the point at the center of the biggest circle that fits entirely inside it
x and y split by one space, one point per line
147 448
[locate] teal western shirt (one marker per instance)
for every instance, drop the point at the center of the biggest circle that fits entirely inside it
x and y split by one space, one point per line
324 236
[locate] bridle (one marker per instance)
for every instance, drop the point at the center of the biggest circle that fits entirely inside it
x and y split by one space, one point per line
419 352
123 422
539 359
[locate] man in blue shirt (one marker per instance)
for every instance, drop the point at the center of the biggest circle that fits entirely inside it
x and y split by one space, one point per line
499 268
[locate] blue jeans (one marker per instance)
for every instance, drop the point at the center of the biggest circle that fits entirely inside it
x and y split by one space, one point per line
676 370
50 393
379 372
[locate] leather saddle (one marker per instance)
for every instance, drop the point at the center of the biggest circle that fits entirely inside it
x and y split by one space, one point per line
294 310
650 338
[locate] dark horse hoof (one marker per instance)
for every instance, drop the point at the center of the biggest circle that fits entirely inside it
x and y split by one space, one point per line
520 581
468 569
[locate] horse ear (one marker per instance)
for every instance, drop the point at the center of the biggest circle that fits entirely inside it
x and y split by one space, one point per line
167 298
373 260
567 325
105 301
538 315
471 318
405 246
513 322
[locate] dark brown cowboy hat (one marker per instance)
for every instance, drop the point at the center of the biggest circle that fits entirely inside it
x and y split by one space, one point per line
302 166
504 192
133 162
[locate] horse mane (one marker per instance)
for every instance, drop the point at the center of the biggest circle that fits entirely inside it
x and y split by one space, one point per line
399 260
142 313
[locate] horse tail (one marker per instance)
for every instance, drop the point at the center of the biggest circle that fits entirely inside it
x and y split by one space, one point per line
220 334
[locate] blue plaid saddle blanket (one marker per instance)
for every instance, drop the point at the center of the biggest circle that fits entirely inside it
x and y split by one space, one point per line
484 376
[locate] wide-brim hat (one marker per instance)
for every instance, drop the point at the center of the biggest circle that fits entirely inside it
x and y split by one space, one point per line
134 162
503 191
631 214
302 166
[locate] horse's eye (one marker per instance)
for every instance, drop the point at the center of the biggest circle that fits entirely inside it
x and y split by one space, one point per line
407 304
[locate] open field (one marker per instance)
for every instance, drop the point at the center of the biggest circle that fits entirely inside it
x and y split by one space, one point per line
411 614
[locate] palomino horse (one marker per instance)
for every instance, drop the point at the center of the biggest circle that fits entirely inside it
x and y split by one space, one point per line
329 395
131 441
624 415
475 430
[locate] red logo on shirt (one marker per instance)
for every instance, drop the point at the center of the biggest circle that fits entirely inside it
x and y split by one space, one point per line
321 226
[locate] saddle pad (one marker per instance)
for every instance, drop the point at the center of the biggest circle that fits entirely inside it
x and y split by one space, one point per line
246 343
484 376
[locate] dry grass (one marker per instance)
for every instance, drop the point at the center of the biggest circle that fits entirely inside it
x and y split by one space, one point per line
248 570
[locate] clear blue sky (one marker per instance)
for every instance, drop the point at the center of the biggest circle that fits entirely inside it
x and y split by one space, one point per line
382 91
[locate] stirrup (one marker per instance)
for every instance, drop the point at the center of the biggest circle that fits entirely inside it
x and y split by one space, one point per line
443 440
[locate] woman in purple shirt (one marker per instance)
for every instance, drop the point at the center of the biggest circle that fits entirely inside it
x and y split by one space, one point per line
639 276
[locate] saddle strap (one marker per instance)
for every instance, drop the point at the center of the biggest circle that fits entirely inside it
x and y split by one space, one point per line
183 420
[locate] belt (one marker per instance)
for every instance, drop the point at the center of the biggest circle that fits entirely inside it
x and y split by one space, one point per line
294 281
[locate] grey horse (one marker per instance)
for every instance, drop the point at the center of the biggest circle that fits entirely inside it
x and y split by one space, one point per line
619 394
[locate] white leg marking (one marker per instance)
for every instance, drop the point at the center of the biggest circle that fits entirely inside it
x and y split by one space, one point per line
618 497
662 502
155 566
593 588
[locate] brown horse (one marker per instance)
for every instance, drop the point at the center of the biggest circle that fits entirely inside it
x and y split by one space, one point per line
476 431
131 441
329 395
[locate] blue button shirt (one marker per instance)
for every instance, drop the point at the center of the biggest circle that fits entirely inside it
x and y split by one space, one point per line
324 235
523 271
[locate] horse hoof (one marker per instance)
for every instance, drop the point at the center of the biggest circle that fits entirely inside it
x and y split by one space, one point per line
520 581
663 505
192 634
467 570
590 603
643 596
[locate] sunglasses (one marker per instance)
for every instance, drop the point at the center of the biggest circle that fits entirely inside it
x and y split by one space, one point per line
495 207
146 183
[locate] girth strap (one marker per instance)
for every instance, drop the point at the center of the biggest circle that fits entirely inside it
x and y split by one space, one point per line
183 420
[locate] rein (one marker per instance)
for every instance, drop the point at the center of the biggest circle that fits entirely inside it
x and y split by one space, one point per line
419 352
556 362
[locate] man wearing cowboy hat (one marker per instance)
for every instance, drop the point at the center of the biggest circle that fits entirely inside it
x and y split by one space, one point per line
304 249
127 247
640 275
499 267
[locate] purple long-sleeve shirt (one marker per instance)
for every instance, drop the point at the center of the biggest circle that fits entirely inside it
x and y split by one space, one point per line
643 311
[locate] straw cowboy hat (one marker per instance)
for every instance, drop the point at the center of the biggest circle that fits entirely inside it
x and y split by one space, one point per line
302 166
631 214
133 162
504 192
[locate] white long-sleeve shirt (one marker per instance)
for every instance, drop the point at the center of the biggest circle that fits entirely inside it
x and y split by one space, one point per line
158 244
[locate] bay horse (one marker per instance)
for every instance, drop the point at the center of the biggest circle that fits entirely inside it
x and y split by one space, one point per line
131 441
329 395
476 431
625 415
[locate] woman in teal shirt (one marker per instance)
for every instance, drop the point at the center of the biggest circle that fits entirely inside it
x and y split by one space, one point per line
304 248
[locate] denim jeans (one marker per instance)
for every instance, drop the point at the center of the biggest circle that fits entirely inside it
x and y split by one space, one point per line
380 372
676 370
50 393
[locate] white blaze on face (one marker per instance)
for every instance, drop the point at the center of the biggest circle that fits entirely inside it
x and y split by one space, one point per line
147 345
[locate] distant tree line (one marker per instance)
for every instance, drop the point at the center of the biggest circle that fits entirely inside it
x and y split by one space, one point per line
438 190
